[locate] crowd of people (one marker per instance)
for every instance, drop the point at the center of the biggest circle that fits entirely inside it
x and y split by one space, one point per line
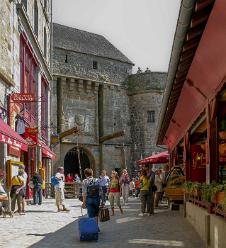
147 185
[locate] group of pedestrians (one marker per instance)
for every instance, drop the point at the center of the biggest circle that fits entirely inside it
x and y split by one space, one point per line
151 188
147 185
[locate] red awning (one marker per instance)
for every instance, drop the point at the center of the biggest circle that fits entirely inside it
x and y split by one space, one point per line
162 157
205 76
10 137
46 151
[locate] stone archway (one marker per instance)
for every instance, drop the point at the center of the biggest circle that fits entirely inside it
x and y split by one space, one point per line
71 161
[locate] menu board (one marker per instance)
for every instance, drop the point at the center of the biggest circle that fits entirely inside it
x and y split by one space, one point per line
12 170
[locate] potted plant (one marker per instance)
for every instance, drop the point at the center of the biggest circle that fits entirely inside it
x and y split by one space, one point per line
218 193
197 189
188 186
206 192
223 204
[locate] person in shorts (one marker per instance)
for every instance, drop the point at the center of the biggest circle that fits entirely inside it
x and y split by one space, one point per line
59 190
91 194
114 192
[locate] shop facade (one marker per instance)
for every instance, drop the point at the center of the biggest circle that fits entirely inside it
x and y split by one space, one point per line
25 86
192 116
192 119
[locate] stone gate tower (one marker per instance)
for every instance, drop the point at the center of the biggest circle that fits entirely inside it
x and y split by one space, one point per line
88 82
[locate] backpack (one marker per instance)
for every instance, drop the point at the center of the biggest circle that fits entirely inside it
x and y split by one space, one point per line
54 181
93 189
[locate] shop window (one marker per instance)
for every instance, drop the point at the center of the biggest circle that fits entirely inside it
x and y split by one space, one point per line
24 2
95 65
151 116
28 79
36 18
45 43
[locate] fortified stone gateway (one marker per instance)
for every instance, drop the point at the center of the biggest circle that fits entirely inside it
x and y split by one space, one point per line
93 81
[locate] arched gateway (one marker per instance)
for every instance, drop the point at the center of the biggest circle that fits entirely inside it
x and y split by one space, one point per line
71 161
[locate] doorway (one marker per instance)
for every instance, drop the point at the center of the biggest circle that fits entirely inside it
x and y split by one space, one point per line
71 162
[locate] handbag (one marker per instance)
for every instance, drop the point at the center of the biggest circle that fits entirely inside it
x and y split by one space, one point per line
104 214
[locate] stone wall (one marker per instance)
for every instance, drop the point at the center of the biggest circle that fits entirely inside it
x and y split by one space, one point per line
145 92
71 63
44 22
115 107
211 228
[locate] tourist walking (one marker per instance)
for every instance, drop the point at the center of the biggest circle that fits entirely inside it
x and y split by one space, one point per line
158 184
114 192
137 185
17 192
124 182
104 183
37 191
152 187
24 175
132 187
145 196
77 179
91 194
59 190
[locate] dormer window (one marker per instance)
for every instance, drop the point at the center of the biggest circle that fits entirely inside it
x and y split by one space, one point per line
95 65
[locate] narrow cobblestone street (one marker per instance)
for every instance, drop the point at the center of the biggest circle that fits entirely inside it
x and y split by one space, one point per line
43 227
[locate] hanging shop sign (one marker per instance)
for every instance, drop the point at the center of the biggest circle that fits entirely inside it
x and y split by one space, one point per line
22 97
31 135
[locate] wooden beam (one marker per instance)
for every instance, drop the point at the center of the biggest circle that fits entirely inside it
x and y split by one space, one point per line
111 136
73 130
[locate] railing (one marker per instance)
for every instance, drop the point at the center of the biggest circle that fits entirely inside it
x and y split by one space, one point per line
71 190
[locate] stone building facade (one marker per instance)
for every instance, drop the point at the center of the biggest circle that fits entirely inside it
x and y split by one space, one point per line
145 91
25 56
93 81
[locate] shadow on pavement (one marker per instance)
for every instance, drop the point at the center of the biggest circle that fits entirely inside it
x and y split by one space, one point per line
164 229
40 211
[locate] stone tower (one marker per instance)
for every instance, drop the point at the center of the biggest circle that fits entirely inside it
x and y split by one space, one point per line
145 91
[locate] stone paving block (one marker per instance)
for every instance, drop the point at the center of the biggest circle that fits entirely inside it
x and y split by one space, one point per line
43 227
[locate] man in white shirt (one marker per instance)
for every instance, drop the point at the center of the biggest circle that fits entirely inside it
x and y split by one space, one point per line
59 190
24 175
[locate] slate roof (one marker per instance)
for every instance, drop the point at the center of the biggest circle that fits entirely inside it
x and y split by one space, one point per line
85 42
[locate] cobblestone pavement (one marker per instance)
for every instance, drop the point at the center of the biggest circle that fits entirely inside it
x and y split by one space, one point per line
43 227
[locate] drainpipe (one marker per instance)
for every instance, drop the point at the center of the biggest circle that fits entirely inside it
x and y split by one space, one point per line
185 14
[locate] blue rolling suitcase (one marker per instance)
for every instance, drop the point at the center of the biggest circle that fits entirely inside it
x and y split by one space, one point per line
88 229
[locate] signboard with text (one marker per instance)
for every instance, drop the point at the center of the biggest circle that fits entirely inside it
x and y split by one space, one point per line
22 97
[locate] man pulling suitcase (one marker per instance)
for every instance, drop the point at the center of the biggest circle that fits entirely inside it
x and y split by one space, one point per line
88 227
